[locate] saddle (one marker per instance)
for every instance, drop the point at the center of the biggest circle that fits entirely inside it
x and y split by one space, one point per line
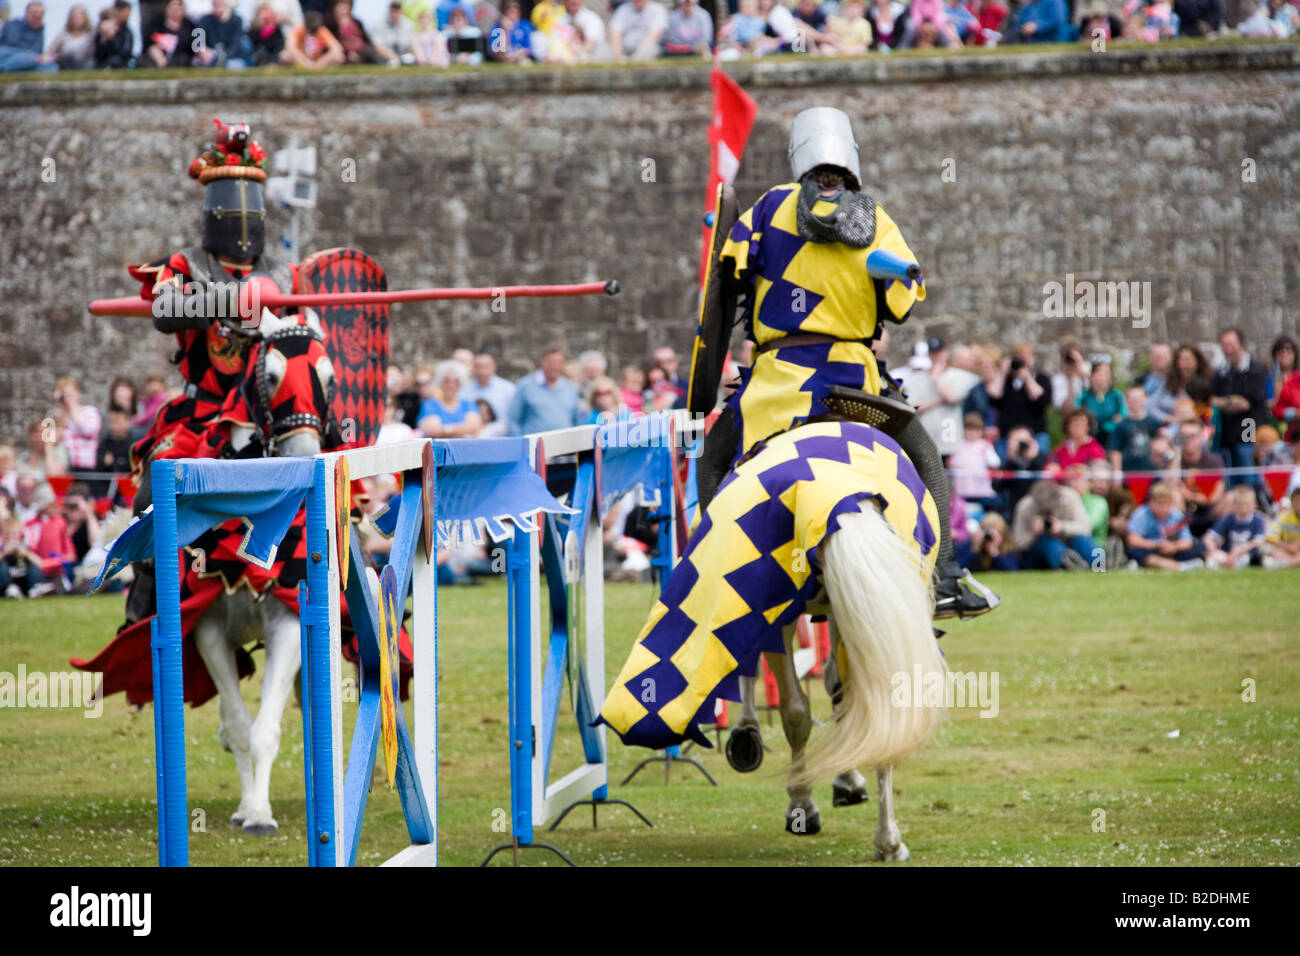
889 414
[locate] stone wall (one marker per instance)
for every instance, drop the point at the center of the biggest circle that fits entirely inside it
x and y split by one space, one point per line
1175 167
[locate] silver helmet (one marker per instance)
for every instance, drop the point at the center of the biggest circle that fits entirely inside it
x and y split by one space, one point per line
823 136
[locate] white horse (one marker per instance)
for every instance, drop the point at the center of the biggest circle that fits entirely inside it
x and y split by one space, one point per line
237 619
879 605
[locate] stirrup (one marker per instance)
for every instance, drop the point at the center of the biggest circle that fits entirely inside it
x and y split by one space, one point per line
971 599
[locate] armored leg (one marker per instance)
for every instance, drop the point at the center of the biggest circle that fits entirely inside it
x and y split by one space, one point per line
957 593
715 459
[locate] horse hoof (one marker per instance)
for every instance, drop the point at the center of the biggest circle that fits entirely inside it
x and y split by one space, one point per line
897 855
237 819
745 749
803 822
261 829
849 796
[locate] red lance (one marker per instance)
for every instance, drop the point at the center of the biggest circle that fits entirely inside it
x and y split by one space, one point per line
135 306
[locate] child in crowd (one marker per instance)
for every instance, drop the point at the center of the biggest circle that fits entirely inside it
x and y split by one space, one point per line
970 462
1242 532
1283 538
1158 536
20 566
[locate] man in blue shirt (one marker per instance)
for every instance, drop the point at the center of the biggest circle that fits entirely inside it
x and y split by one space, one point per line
1043 21
544 400
22 43
489 386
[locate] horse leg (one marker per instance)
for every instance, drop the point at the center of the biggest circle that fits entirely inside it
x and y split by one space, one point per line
745 742
236 722
850 787
889 842
801 817
280 632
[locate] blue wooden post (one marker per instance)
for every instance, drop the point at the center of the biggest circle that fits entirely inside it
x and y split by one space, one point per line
317 711
520 602
168 678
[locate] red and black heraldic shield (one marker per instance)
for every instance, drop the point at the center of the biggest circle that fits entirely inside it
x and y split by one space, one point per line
356 338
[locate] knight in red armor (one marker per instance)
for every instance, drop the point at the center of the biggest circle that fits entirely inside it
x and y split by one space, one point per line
200 296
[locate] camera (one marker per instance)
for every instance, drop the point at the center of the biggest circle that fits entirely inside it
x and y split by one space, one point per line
1017 364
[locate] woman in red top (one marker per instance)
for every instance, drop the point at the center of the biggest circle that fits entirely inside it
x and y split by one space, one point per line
1287 407
1079 447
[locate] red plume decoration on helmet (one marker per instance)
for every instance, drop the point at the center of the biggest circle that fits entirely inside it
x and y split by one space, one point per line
233 155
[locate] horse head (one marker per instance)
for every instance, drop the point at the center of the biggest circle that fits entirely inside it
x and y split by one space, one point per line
283 406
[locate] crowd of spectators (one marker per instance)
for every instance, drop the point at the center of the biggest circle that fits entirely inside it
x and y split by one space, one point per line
1177 464
59 481
314 34
465 397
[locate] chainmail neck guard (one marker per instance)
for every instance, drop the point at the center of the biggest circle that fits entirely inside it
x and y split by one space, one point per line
853 222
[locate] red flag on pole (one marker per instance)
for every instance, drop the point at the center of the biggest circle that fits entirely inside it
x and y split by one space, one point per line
733 117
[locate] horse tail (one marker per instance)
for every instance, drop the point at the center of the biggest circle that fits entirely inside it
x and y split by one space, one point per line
881 604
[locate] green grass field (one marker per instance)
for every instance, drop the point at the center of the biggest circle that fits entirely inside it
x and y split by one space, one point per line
1095 672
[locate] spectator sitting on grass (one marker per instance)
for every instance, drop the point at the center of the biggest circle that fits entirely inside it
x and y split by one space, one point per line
511 40
1199 18
1271 18
82 522
1119 505
1283 538
588 41
74 47
689 32
465 42
991 16
849 29
1042 21
891 25
20 566
1103 401
1051 529
265 38
1158 536
991 546
636 29
962 20
1079 446
782 30
312 45
224 42
429 45
114 41
168 40
1098 23
1079 477
1130 442
1242 531
47 534
930 18
22 43
358 47
396 33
